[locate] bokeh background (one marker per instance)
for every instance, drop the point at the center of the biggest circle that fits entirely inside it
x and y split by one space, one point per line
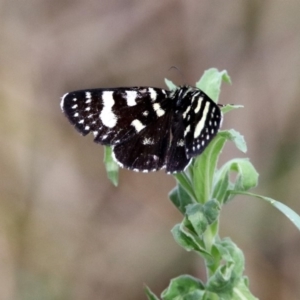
65 231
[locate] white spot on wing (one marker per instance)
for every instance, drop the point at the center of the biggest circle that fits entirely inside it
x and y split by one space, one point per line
74 106
198 105
63 101
187 130
186 111
107 116
146 113
221 121
180 143
87 127
131 98
201 123
137 125
153 94
148 141
88 95
195 96
76 115
159 111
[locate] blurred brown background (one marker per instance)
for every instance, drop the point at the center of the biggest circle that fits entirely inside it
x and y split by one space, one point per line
65 231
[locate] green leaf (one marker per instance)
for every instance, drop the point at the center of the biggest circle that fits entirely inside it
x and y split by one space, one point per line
184 181
288 212
181 287
198 220
241 291
236 137
228 269
112 169
150 294
188 240
211 81
204 168
171 86
246 178
222 185
180 198
211 210
228 107
200 216
195 295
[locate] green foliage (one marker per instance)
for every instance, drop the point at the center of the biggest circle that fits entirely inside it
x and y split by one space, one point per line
210 82
200 193
112 169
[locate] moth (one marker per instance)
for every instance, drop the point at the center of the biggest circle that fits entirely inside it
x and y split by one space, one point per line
148 128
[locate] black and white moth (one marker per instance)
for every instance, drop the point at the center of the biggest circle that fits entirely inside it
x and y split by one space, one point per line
148 128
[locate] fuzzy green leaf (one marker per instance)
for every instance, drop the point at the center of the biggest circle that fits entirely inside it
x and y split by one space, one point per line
246 178
229 107
236 137
180 198
188 240
222 185
229 271
171 86
241 291
211 81
150 294
204 167
200 216
198 220
211 210
184 288
185 182
112 169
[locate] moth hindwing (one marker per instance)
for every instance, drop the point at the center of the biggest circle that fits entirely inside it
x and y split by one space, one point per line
148 128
